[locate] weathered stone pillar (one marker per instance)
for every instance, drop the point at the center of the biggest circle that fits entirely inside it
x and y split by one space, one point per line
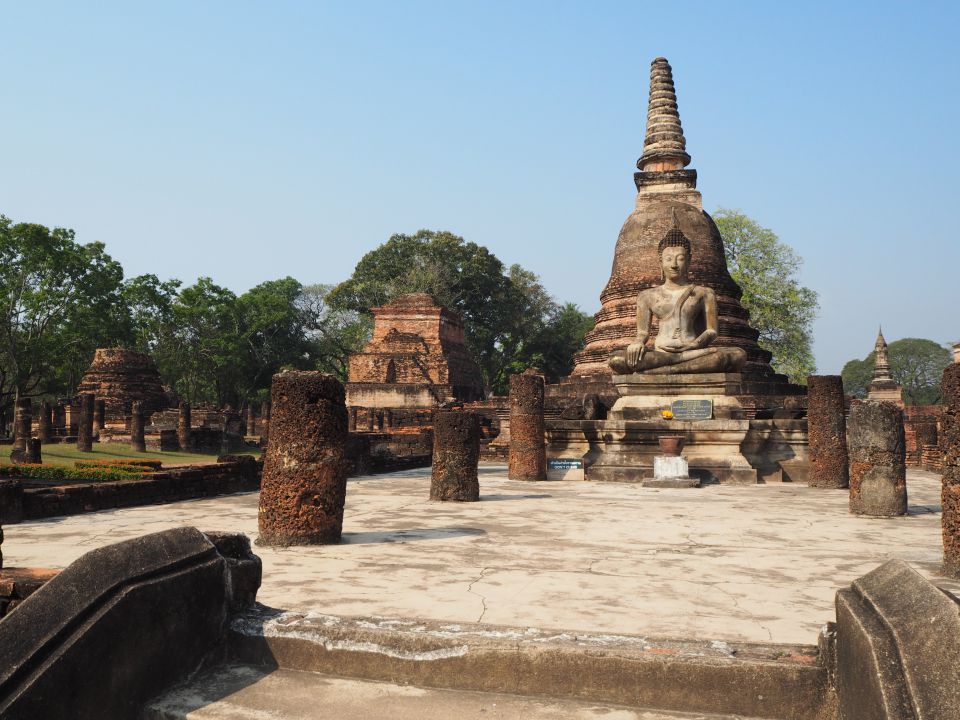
456 452
99 421
528 450
371 419
827 432
33 455
251 421
22 422
85 423
138 440
305 469
352 419
388 419
44 421
183 427
950 450
878 469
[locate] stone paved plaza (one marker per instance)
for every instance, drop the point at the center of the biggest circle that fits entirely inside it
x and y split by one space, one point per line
758 563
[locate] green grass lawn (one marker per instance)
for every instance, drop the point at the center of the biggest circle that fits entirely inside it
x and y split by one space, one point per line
66 454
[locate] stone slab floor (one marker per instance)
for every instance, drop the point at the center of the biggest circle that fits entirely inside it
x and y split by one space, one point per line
727 563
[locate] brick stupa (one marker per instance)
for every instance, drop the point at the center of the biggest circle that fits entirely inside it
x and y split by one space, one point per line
119 377
667 190
416 358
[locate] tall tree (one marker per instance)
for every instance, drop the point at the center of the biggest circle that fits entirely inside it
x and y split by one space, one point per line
59 300
332 333
780 307
915 363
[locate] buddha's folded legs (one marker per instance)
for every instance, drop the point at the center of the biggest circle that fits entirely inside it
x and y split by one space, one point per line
657 362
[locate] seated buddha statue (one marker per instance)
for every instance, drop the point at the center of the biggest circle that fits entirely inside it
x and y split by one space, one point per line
687 316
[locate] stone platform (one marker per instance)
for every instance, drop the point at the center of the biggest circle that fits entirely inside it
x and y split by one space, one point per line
745 564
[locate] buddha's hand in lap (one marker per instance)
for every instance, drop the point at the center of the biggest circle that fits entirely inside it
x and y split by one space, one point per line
635 353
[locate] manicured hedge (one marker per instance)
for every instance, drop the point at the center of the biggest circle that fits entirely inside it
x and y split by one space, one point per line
59 473
140 465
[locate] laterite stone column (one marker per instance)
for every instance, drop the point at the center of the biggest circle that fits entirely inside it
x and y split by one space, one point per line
44 422
528 450
251 421
878 460
950 449
305 470
183 427
456 452
22 429
826 429
99 420
85 423
137 440
34 455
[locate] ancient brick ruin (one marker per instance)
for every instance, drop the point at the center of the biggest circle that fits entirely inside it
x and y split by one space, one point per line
827 431
528 458
118 376
883 388
950 446
878 471
416 359
305 469
456 452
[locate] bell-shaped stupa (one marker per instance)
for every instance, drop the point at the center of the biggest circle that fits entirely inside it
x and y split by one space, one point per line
667 194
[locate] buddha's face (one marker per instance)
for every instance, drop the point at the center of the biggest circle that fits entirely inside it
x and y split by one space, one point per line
674 262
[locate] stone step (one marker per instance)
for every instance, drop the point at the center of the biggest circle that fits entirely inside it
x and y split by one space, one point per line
786 682
247 692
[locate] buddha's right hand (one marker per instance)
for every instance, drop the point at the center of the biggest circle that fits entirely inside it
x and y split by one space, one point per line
635 352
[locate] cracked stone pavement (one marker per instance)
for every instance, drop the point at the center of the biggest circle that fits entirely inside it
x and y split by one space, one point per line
733 563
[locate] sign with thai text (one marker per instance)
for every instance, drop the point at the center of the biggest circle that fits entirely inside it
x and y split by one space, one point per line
692 409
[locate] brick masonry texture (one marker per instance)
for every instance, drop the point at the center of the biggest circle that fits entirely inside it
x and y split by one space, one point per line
878 470
118 377
305 469
528 454
827 428
418 342
950 451
456 452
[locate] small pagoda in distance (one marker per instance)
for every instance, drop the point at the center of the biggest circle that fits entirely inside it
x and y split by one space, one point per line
883 387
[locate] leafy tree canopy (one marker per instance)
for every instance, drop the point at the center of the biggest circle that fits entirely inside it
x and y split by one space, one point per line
780 307
916 364
511 321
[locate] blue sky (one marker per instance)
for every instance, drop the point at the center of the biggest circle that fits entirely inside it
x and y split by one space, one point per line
250 141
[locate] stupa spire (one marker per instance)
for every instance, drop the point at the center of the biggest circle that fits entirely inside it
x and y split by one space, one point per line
881 370
664 147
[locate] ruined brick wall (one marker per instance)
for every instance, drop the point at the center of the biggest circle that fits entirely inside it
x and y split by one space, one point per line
417 342
920 424
187 483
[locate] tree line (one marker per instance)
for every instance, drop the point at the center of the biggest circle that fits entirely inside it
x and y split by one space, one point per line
63 299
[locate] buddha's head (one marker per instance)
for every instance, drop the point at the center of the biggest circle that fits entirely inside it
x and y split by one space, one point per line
674 253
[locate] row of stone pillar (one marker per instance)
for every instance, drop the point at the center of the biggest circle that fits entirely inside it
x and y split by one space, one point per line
866 454
304 483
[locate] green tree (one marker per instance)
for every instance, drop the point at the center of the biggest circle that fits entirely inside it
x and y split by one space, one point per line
332 333
915 364
780 307
205 344
59 300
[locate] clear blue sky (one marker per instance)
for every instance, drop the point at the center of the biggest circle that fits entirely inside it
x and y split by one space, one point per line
250 141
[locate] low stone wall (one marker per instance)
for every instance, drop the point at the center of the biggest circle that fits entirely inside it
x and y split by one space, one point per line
187 483
375 453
